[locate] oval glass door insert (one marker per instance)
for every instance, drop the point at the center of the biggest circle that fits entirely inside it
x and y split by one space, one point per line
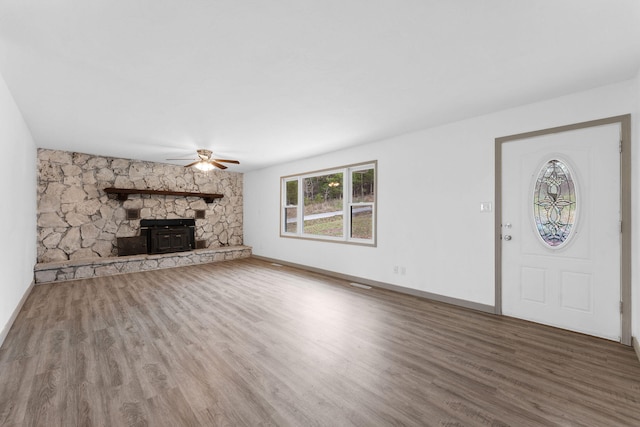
554 203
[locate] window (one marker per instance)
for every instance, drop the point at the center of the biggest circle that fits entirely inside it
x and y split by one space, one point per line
291 206
362 202
334 204
323 205
554 203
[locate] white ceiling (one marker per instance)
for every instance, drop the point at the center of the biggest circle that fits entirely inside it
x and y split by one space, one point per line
270 81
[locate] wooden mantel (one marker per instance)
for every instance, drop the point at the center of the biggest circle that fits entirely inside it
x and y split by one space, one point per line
123 193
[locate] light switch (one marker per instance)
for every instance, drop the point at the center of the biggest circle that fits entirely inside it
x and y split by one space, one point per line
486 207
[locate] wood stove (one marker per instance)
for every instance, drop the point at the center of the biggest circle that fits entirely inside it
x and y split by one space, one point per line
168 235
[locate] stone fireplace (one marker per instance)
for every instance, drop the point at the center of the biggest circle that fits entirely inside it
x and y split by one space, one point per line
82 228
78 220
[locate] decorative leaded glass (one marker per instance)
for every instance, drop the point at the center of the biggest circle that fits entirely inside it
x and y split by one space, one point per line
554 203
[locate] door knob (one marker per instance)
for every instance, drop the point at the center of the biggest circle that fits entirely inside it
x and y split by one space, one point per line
507 237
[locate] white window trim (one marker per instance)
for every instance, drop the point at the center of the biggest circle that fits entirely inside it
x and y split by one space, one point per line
347 189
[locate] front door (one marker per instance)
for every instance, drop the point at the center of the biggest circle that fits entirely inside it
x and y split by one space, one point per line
561 230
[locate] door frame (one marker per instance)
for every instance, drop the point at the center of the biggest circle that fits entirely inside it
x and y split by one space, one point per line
625 210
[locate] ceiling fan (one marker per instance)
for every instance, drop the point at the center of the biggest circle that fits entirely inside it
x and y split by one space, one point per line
206 163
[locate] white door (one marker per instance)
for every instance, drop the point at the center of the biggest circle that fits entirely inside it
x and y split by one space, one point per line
561 230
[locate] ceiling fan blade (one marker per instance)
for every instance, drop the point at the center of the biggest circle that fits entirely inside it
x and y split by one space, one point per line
235 162
190 158
218 165
192 164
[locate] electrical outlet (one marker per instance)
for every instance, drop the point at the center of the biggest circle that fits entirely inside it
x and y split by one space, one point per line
395 269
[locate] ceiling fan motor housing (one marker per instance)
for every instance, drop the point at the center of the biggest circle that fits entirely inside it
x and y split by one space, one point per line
204 154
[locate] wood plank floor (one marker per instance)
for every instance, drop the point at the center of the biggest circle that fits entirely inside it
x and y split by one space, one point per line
245 343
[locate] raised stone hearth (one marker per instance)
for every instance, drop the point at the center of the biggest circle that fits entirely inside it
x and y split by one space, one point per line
94 267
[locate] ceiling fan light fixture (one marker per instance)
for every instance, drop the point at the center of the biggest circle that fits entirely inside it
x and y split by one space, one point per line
204 166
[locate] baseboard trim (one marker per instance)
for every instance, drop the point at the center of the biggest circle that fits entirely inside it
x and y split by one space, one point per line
14 316
636 346
388 286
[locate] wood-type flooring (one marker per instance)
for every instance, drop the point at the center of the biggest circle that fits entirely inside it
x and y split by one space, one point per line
247 343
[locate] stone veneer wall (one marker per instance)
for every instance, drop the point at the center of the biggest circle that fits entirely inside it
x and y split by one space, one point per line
78 220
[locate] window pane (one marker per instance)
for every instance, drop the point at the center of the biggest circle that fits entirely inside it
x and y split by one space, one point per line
362 221
292 193
291 220
323 205
363 186
554 203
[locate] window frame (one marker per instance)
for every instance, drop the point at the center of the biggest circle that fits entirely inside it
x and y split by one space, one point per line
347 205
285 205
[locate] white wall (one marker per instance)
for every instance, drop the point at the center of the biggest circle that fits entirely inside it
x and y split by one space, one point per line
18 190
430 187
